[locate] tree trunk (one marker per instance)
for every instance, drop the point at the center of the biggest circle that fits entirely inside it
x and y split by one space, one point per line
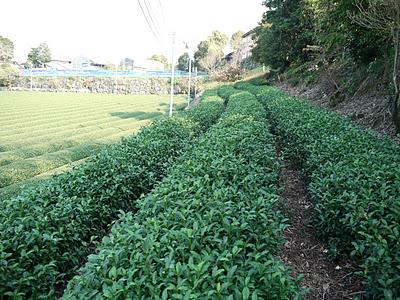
396 79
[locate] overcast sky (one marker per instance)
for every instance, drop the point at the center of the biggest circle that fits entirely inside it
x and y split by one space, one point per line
109 30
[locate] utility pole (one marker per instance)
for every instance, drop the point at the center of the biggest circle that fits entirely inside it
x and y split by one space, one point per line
171 103
195 82
190 75
30 65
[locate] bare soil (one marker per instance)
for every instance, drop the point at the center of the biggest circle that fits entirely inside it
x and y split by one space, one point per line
306 254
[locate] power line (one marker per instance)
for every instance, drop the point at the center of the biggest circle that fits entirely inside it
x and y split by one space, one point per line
162 12
150 13
147 21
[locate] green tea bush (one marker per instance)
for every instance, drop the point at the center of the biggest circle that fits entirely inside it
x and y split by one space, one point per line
202 116
258 81
47 232
209 93
209 230
354 182
226 91
249 87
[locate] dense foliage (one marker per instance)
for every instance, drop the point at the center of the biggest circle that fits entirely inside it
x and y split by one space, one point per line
6 49
183 62
354 182
289 26
6 55
208 231
282 35
341 42
39 56
226 91
48 231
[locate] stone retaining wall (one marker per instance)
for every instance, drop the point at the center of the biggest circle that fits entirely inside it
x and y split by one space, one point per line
98 85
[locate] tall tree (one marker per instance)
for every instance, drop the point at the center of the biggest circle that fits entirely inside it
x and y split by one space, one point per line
237 40
212 46
282 35
183 62
162 59
6 49
7 71
212 61
237 43
39 56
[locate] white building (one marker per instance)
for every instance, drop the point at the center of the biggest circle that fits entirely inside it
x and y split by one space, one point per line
149 65
248 43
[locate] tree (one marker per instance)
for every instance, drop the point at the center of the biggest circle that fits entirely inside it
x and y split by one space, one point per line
282 35
6 49
162 59
183 62
383 16
212 61
7 72
237 43
217 41
39 56
127 63
202 49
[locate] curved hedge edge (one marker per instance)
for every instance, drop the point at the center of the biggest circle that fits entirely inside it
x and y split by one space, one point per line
354 182
226 91
48 231
208 230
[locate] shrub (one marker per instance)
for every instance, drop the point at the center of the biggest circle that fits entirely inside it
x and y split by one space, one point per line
7 74
354 182
228 73
48 231
258 81
226 91
208 231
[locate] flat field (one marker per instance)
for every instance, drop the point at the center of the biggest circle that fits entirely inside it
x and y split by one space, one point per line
45 133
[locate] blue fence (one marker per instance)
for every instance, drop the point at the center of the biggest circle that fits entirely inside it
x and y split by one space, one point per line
104 73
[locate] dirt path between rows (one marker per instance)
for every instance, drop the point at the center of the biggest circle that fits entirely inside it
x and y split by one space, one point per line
305 254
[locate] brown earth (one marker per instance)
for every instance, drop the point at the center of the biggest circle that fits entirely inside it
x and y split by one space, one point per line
305 254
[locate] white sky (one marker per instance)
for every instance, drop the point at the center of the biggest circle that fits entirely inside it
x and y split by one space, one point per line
110 30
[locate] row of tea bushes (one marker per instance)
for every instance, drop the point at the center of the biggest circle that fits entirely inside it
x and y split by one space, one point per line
226 91
47 232
354 182
209 230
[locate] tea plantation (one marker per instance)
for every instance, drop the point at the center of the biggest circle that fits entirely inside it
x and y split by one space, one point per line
189 207
43 132
354 181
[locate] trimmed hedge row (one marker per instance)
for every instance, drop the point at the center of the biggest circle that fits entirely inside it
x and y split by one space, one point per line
202 116
354 182
208 230
226 91
48 231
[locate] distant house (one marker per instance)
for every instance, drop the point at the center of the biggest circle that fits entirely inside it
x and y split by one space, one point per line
56 64
149 65
249 43
85 63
